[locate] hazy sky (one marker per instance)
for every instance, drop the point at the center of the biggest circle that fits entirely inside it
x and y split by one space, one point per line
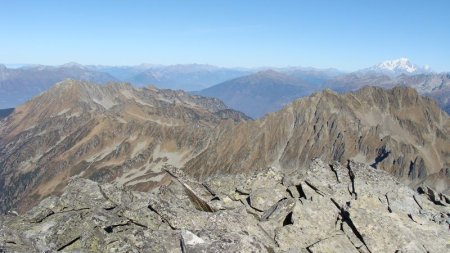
344 34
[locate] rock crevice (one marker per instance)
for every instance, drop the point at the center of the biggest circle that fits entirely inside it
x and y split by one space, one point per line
323 216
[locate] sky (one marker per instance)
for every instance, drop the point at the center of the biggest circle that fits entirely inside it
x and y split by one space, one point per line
344 34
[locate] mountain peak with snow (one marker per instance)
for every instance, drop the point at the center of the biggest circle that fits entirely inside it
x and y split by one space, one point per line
402 64
397 67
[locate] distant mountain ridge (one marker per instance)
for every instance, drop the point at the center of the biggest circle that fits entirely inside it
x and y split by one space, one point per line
21 83
189 77
259 93
17 85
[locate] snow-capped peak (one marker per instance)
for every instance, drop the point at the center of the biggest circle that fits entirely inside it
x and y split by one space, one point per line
402 64
399 66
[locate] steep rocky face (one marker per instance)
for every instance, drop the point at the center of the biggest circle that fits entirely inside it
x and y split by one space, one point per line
395 130
327 207
105 133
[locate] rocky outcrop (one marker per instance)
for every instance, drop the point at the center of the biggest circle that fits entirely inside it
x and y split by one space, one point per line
323 208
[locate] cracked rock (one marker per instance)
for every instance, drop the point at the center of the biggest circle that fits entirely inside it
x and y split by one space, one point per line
263 198
263 212
337 243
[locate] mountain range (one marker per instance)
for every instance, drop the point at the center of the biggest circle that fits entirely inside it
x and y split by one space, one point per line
254 91
118 133
17 85
261 93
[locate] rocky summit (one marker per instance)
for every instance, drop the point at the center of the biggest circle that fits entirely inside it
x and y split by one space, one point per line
327 207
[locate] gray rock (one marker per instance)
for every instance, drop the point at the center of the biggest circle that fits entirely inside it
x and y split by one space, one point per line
336 243
263 198
337 208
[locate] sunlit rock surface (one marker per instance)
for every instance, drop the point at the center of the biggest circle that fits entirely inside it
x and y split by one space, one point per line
326 207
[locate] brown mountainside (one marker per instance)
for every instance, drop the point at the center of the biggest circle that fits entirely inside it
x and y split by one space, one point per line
119 134
105 133
395 130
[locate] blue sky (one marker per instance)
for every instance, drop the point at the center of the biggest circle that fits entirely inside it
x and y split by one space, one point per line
343 34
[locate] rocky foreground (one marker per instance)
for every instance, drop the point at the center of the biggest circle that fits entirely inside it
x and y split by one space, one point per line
326 208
